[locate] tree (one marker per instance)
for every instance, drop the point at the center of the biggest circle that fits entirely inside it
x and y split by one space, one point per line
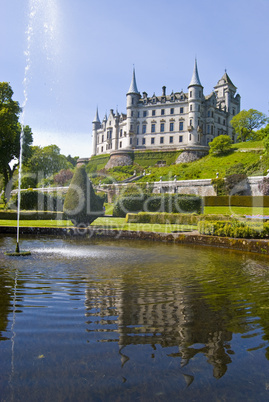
45 162
63 176
81 204
246 121
220 145
10 132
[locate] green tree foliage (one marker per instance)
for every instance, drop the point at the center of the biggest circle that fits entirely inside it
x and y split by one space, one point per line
220 145
81 203
246 121
10 132
45 162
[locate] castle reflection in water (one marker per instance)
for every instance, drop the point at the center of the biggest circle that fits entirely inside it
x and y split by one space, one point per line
171 316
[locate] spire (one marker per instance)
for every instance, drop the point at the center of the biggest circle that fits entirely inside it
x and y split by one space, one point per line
195 80
133 87
96 119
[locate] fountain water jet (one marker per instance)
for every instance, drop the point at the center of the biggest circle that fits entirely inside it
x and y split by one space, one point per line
36 11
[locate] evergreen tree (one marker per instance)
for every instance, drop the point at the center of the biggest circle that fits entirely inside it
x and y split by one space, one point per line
81 203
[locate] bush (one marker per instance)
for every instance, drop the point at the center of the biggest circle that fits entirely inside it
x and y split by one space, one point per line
263 186
236 184
172 203
37 200
220 145
81 203
219 186
163 218
236 201
234 229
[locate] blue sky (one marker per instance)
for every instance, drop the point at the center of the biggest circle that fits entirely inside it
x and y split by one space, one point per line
80 54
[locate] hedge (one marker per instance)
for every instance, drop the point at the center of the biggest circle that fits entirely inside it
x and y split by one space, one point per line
32 215
236 200
38 200
172 203
171 218
256 230
163 218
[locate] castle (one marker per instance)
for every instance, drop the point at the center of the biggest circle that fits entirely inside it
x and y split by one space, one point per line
181 120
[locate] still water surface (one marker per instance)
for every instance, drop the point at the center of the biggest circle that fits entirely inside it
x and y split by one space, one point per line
85 320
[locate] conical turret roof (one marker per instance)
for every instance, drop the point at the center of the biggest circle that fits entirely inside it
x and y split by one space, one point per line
133 87
96 119
195 80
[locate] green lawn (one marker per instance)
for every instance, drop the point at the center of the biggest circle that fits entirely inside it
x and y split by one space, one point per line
236 210
103 223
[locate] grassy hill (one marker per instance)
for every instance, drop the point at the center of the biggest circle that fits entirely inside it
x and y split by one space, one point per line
246 157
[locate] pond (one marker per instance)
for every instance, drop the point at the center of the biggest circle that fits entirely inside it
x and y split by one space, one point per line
91 320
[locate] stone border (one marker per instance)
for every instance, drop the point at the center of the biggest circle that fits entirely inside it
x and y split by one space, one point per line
260 246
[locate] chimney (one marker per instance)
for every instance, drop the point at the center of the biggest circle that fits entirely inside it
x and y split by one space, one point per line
164 91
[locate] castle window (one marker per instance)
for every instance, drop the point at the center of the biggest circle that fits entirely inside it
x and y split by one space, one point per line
219 120
233 112
171 126
200 94
190 94
152 140
137 129
132 101
190 108
137 141
162 127
162 112
190 137
172 110
181 110
171 140
181 97
161 140
138 114
181 138
212 114
144 113
121 132
143 141
208 129
181 126
144 129
120 144
153 128
190 122
131 127
208 113
131 141
224 122
132 113
102 149
212 130
102 139
153 112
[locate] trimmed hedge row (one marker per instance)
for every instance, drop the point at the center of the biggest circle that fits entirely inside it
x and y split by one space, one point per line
171 218
236 201
38 200
32 215
162 218
248 230
172 203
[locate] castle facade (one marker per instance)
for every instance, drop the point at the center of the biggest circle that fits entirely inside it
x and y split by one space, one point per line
181 120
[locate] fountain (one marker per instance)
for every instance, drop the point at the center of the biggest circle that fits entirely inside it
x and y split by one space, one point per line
39 12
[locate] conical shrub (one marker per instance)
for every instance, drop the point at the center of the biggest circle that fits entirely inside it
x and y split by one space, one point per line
81 204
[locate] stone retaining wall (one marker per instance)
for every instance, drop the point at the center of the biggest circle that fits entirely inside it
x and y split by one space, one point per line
194 238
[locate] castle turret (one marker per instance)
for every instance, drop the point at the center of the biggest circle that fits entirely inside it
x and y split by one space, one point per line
96 124
195 100
132 102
